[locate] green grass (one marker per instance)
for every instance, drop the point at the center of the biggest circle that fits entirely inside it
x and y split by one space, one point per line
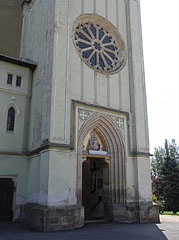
168 213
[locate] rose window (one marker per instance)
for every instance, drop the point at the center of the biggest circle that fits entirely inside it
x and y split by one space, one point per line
99 44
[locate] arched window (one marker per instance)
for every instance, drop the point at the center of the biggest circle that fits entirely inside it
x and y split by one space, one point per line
10 119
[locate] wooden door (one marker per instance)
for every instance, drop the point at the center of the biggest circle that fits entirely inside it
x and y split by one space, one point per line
86 187
6 199
92 188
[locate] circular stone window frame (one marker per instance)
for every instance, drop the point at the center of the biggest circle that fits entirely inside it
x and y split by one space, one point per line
113 33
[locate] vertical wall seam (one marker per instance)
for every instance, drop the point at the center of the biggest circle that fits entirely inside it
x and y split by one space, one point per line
107 77
94 6
82 63
143 79
131 77
108 91
119 74
132 98
67 68
95 88
45 86
82 6
55 89
106 8
82 80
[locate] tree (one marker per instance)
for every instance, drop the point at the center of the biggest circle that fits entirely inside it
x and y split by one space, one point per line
165 175
156 164
157 161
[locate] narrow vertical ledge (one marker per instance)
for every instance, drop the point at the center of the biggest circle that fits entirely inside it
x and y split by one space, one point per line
143 82
67 70
82 6
106 8
82 80
82 64
108 91
94 7
119 74
95 87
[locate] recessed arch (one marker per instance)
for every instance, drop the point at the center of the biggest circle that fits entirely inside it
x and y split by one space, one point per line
14 105
101 123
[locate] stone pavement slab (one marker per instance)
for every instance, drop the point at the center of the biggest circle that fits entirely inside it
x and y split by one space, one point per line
111 231
169 218
170 230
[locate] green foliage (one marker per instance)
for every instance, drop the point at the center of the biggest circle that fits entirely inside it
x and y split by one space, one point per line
165 175
159 203
157 161
168 213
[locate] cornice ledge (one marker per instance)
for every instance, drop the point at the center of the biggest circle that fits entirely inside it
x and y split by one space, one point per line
49 145
139 154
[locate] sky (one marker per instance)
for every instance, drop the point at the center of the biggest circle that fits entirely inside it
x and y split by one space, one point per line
160 30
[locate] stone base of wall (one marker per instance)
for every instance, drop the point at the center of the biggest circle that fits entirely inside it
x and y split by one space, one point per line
135 213
46 219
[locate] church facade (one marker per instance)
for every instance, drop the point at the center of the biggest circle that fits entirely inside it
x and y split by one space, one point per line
74 143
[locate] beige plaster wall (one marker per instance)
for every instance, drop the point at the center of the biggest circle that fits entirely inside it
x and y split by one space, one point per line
52 178
72 79
61 77
16 167
10 25
139 140
37 45
19 98
62 178
138 179
33 187
38 178
144 179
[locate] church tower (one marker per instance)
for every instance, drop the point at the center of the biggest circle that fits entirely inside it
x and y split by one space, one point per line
87 142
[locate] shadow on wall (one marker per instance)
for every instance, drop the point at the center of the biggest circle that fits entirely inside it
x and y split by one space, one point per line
10 25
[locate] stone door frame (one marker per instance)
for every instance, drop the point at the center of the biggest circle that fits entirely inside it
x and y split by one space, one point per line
113 139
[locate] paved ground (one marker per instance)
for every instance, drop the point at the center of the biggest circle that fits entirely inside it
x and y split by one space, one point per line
163 231
169 218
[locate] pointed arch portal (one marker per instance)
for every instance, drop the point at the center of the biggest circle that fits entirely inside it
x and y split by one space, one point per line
111 136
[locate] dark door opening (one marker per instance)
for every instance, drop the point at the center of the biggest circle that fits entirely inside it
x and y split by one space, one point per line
6 199
94 194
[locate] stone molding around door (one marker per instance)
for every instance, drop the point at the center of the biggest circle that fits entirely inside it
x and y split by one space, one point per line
112 136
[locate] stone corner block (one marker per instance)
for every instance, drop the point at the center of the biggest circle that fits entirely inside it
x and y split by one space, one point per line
45 218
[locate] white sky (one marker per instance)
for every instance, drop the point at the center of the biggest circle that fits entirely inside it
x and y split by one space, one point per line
160 26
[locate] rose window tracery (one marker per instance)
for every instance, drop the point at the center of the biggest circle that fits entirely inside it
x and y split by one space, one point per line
99 44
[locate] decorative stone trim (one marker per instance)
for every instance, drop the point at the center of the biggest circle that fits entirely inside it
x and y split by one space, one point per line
119 122
85 114
14 105
112 136
99 44
22 93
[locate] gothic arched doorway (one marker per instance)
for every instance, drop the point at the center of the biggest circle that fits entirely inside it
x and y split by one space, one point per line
98 166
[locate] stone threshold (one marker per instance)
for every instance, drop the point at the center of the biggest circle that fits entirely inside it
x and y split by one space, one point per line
96 221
